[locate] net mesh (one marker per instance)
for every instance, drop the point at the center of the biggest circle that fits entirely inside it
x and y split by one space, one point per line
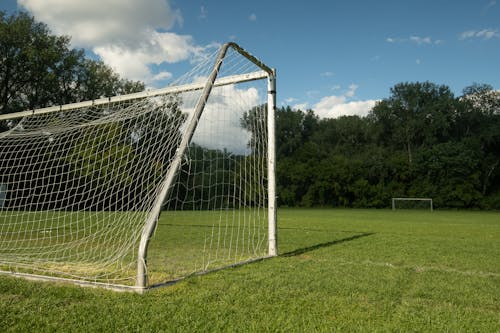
77 186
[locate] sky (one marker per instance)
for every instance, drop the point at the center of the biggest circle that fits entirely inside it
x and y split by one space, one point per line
336 57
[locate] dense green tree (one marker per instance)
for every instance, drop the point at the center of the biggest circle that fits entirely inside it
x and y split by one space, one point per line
28 55
346 133
98 80
450 173
421 141
480 121
294 128
415 114
38 69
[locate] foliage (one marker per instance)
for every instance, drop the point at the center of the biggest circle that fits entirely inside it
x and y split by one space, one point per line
421 141
38 69
415 114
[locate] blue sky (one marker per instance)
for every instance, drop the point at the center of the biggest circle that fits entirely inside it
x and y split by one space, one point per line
336 57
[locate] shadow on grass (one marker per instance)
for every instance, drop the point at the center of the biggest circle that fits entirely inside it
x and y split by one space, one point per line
257 260
326 244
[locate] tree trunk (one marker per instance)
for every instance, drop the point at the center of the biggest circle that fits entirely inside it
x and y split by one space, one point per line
410 157
488 175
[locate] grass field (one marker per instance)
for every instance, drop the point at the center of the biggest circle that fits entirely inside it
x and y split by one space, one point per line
102 246
338 270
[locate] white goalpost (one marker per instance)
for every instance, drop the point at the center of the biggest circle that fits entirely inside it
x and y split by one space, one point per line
412 203
133 191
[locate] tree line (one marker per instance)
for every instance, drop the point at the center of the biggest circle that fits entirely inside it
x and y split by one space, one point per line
421 141
39 69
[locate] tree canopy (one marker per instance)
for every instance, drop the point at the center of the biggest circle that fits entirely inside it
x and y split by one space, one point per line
421 141
39 69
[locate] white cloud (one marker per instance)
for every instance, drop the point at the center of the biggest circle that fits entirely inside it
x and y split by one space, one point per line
162 76
290 100
301 106
481 34
128 35
335 106
327 74
339 105
252 17
415 40
97 22
467 34
421 40
161 47
220 123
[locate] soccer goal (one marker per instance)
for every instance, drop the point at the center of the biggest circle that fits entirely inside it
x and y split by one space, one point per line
133 191
412 203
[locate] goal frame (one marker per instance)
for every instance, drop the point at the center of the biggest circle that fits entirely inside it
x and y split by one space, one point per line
431 205
205 87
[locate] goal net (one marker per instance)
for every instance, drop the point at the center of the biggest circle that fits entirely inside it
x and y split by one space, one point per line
412 203
136 190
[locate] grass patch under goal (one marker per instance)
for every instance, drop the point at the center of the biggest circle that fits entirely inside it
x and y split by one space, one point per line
338 270
185 243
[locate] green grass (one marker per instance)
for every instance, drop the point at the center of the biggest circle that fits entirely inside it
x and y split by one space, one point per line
186 242
339 270
102 246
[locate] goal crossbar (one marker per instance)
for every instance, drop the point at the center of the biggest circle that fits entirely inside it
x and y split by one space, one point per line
258 75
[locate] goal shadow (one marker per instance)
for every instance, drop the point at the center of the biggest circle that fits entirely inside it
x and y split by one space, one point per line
325 244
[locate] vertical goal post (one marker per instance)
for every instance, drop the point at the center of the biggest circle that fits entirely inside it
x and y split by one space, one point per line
30 216
428 200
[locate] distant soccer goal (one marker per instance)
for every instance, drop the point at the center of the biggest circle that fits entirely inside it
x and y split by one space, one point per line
132 191
412 203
